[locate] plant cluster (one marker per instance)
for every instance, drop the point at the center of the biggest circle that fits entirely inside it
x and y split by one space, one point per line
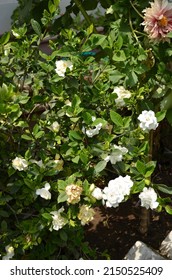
77 125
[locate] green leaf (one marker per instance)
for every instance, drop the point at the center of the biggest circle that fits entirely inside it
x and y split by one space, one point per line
62 197
169 35
75 159
39 134
74 135
163 188
131 79
27 137
36 27
90 29
161 115
141 167
116 118
100 166
168 209
115 77
63 235
4 226
119 56
47 216
35 129
150 167
4 214
52 8
5 38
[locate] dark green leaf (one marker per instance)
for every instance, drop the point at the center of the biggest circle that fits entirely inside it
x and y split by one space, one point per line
36 27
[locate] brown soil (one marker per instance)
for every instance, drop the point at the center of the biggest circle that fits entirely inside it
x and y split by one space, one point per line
115 230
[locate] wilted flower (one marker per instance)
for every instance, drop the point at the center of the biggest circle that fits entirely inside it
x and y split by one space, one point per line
122 94
86 214
116 191
147 120
62 65
73 192
158 20
19 164
44 192
10 252
148 198
58 220
97 193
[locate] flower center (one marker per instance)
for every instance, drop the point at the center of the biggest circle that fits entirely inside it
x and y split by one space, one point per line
163 22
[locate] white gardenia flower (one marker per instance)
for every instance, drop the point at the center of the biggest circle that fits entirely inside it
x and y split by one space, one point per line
122 94
97 193
148 120
116 191
10 252
19 164
44 192
55 126
93 131
148 198
62 65
86 214
117 154
58 220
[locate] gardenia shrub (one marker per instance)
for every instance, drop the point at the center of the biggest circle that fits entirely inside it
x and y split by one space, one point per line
77 125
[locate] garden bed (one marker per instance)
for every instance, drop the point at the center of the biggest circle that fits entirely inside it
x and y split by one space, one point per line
118 229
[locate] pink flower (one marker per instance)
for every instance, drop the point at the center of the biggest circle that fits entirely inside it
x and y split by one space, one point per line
158 20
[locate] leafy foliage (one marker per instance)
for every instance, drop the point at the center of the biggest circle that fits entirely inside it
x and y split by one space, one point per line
67 127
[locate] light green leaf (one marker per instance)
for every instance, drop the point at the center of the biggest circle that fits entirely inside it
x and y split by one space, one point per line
116 118
100 166
62 197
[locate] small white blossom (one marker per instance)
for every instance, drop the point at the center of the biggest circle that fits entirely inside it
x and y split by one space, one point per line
38 162
93 131
44 192
122 94
62 65
97 193
68 103
148 198
147 120
10 252
55 126
116 155
117 190
19 164
109 10
58 220
86 214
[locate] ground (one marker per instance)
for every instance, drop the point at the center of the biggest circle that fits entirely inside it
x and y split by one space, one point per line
115 230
